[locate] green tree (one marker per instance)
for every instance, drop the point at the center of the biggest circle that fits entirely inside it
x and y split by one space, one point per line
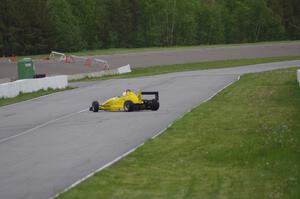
210 23
66 29
289 13
185 24
84 13
2 29
38 26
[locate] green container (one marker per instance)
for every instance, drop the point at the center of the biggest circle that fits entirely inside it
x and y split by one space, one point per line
26 69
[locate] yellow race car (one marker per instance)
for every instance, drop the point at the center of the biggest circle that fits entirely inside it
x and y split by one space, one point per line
129 101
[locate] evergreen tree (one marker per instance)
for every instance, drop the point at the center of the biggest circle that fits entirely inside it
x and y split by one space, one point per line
66 28
39 26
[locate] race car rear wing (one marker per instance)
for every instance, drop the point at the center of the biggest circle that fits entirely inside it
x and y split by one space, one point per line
152 93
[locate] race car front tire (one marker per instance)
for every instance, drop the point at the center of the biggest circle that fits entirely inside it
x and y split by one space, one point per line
128 106
95 106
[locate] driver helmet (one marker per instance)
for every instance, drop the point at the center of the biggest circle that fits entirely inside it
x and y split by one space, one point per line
126 91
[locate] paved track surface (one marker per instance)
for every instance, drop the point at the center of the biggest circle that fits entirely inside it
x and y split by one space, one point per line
145 59
48 143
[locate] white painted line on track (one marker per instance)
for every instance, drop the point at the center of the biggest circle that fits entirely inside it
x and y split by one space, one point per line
135 148
34 99
98 170
41 126
162 131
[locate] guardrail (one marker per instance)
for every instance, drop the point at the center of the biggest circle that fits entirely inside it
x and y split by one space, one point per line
73 58
12 89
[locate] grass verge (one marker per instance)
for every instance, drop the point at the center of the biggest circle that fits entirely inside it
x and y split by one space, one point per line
155 70
27 96
244 143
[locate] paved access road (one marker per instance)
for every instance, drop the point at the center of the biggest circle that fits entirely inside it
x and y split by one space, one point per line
166 57
48 143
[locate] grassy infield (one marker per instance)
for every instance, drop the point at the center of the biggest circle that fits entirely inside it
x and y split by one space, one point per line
244 143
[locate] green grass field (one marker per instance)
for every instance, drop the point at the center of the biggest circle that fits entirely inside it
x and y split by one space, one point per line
27 96
156 70
244 143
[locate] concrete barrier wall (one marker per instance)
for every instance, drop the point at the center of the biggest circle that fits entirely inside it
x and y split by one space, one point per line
124 69
298 76
12 89
120 70
92 74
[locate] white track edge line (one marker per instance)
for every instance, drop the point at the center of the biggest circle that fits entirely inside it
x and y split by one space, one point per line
40 126
33 99
181 116
98 170
135 148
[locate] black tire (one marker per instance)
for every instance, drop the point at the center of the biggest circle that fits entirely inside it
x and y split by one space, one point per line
154 105
128 106
95 106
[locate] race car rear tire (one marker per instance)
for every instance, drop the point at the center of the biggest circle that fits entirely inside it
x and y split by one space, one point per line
128 106
95 106
154 105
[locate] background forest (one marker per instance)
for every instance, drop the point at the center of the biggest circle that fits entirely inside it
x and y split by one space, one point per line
38 26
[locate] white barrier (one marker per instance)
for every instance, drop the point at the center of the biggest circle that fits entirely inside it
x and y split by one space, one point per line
120 70
53 54
9 90
12 89
124 69
92 74
298 76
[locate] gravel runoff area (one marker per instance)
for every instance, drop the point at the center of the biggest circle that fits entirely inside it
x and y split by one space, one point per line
168 57
48 143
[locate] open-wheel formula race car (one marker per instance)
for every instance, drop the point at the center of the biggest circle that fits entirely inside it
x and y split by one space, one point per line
128 102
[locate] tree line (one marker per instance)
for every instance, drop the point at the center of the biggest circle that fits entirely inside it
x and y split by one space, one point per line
38 26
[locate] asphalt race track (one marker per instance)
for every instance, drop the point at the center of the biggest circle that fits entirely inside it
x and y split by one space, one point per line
48 143
166 57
